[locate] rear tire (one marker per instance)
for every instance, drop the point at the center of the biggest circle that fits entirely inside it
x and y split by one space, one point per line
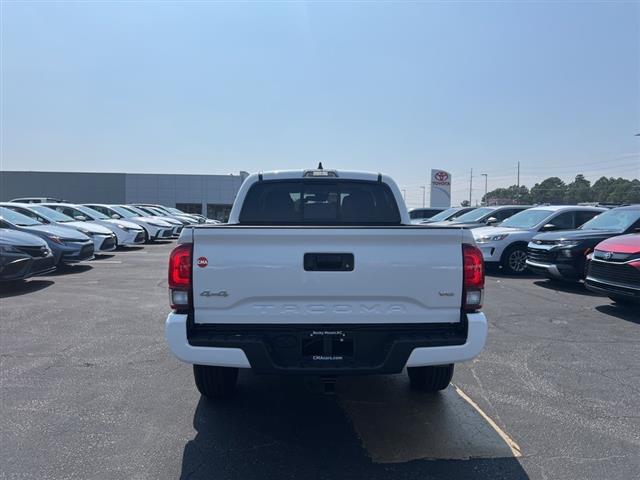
514 260
215 382
430 379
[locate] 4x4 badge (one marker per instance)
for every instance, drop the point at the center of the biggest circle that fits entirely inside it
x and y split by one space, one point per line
209 293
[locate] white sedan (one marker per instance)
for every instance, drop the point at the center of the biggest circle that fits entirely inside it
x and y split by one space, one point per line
104 240
153 229
127 233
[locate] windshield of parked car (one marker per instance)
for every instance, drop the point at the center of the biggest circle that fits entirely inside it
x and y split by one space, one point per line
174 210
17 218
137 211
475 215
444 215
319 202
123 212
426 213
526 219
90 212
617 219
150 210
50 214
156 211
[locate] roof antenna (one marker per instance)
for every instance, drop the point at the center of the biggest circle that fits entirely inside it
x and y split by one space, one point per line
320 166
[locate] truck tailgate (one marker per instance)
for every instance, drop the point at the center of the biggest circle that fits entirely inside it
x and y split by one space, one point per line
258 275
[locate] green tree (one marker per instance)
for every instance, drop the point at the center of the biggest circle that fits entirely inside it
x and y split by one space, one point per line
619 190
600 189
504 196
578 191
633 196
552 190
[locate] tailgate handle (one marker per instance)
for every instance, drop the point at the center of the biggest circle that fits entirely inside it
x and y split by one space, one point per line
328 262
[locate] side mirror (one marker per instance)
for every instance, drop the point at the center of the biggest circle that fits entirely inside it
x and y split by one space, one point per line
80 218
116 216
492 220
548 227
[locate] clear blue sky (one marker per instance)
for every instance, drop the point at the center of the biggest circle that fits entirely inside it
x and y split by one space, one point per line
399 88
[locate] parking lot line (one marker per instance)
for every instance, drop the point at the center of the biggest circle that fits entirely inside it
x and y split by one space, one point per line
515 448
398 425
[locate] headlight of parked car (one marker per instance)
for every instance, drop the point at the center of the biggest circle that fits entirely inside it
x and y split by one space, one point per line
567 243
8 249
86 232
492 238
56 239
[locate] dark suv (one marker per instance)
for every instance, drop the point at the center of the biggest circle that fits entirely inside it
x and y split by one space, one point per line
563 255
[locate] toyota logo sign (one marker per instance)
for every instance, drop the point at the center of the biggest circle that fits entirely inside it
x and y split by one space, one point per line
441 176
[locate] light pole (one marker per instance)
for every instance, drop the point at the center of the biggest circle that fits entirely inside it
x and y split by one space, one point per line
485 187
424 193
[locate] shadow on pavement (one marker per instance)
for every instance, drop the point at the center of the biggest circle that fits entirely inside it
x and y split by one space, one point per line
103 256
577 288
129 248
70 269
275 428
630 313
497 273
15 289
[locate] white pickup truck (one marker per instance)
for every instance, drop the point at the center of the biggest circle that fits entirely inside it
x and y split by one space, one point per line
321 272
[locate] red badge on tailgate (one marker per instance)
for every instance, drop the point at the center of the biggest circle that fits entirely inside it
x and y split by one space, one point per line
202 262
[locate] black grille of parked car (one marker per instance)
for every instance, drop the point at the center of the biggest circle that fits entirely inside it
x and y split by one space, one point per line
166 233
139 237
108 243
540 256
13 268
618 273
86 251
34 251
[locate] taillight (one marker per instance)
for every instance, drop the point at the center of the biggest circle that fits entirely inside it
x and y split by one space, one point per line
180 262
473 278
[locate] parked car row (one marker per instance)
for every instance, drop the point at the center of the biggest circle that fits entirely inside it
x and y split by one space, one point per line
39 234
595 243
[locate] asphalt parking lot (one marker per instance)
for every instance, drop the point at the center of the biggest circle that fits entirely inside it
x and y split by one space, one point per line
89 390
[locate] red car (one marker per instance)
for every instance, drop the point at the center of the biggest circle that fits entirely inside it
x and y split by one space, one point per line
614 269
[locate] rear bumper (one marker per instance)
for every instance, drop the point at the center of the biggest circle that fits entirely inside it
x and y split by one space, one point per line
409 346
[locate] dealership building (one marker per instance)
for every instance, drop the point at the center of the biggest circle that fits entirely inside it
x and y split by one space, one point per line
210 195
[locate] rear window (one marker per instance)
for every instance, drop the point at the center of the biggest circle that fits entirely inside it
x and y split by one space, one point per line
319 202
